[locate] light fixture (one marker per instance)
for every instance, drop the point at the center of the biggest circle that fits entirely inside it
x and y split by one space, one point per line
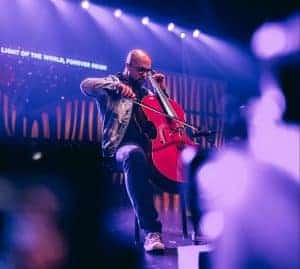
196 33
85 4
171 26
145 20
118 13
182 35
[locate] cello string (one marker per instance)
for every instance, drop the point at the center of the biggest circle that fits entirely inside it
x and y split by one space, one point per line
166 115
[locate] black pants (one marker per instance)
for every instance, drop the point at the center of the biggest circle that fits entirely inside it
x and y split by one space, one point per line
132 160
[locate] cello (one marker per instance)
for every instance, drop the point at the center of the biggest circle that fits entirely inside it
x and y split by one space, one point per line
166 131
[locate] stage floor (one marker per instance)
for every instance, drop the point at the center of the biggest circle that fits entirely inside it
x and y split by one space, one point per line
172 237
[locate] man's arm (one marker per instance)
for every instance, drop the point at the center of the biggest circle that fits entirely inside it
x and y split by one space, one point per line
94 86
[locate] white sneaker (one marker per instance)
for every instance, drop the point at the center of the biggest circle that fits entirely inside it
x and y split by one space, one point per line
153 241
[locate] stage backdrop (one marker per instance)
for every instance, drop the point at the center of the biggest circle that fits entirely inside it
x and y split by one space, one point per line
41 100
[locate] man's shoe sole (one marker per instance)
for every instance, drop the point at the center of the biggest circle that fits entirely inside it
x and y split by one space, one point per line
156 247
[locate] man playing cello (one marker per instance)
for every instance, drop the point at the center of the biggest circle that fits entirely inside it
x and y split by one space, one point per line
122 139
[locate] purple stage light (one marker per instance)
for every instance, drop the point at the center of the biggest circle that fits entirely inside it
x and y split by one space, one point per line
227 55
182 35
269 40
171 26
196 33
145 20
118 13
275 39
85 4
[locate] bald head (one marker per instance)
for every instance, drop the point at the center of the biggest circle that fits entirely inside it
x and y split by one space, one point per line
137 65
137 56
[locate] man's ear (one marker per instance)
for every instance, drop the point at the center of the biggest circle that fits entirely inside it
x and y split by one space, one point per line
127 65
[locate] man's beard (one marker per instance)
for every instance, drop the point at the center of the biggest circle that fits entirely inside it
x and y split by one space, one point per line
137 82
142 81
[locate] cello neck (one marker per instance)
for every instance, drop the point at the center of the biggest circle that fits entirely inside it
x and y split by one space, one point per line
162 97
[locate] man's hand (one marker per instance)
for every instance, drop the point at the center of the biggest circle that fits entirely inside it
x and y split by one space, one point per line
125 90
160 79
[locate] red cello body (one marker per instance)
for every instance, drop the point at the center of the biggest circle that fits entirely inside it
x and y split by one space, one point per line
169 141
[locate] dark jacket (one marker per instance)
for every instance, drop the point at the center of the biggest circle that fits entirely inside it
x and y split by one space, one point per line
115 110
